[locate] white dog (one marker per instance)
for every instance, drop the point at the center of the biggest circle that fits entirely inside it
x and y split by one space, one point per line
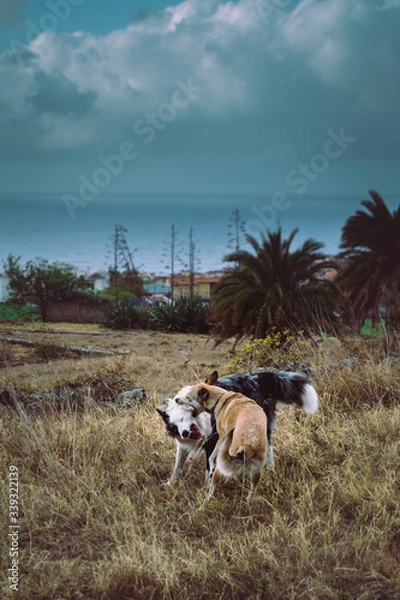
190 431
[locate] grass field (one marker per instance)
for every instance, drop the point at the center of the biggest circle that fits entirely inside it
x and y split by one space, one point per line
97 523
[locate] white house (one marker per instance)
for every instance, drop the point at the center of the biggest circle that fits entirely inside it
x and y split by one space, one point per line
100 280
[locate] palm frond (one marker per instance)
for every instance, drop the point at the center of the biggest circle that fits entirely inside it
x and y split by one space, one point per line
274 287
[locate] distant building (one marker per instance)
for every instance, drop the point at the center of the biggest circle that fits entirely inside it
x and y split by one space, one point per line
155 288
203 286
100 280
329 275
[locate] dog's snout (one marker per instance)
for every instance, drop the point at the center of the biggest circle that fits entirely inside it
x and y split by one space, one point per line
185 433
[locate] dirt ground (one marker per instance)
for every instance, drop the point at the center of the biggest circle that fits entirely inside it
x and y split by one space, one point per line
157 362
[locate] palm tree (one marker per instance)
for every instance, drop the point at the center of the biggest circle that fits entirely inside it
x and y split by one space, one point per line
371 278
275 288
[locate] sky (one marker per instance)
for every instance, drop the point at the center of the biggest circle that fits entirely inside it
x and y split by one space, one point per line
285 109
199 97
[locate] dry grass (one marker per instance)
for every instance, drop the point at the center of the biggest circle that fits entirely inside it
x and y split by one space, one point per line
97 523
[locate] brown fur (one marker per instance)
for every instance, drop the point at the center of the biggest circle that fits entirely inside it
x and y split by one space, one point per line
241 426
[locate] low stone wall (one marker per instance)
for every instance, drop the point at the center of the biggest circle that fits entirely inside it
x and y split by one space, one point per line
88 311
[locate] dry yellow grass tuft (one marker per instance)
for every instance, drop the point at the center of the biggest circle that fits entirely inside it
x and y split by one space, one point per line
96 522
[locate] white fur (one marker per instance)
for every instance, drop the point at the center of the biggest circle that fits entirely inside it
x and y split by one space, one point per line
182 416
182 394
310 399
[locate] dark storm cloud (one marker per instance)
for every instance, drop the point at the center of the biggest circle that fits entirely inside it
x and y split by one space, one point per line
57 95
272 86
10 8
142 14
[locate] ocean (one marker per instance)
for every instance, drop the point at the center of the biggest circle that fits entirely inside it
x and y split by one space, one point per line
41 226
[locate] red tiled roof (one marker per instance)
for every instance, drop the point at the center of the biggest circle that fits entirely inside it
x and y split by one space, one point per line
182 281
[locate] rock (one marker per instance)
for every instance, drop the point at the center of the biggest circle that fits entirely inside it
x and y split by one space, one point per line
90 403
349 362
391 360
132 397
114 391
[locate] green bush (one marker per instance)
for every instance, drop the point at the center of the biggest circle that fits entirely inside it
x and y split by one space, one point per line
186 315
277 350
122 314
16 312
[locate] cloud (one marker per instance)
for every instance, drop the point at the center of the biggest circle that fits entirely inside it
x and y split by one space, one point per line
141 14
40 111
272 85
57 95
10 8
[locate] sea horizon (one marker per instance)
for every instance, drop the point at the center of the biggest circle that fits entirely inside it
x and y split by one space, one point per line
40 226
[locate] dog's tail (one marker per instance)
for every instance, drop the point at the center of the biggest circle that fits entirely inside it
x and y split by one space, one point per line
229 451
309 399
289 388
241 451
234 459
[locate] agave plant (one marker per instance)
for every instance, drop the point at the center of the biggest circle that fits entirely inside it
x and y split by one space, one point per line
186 315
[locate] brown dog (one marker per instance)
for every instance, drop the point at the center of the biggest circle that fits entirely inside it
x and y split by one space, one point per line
241 425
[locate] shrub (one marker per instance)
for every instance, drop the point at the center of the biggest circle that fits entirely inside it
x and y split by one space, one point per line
186 315
15 312
122 314
165 317
278 350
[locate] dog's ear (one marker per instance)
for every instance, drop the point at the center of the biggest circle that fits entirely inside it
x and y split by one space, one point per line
203 394
163 414
212 380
